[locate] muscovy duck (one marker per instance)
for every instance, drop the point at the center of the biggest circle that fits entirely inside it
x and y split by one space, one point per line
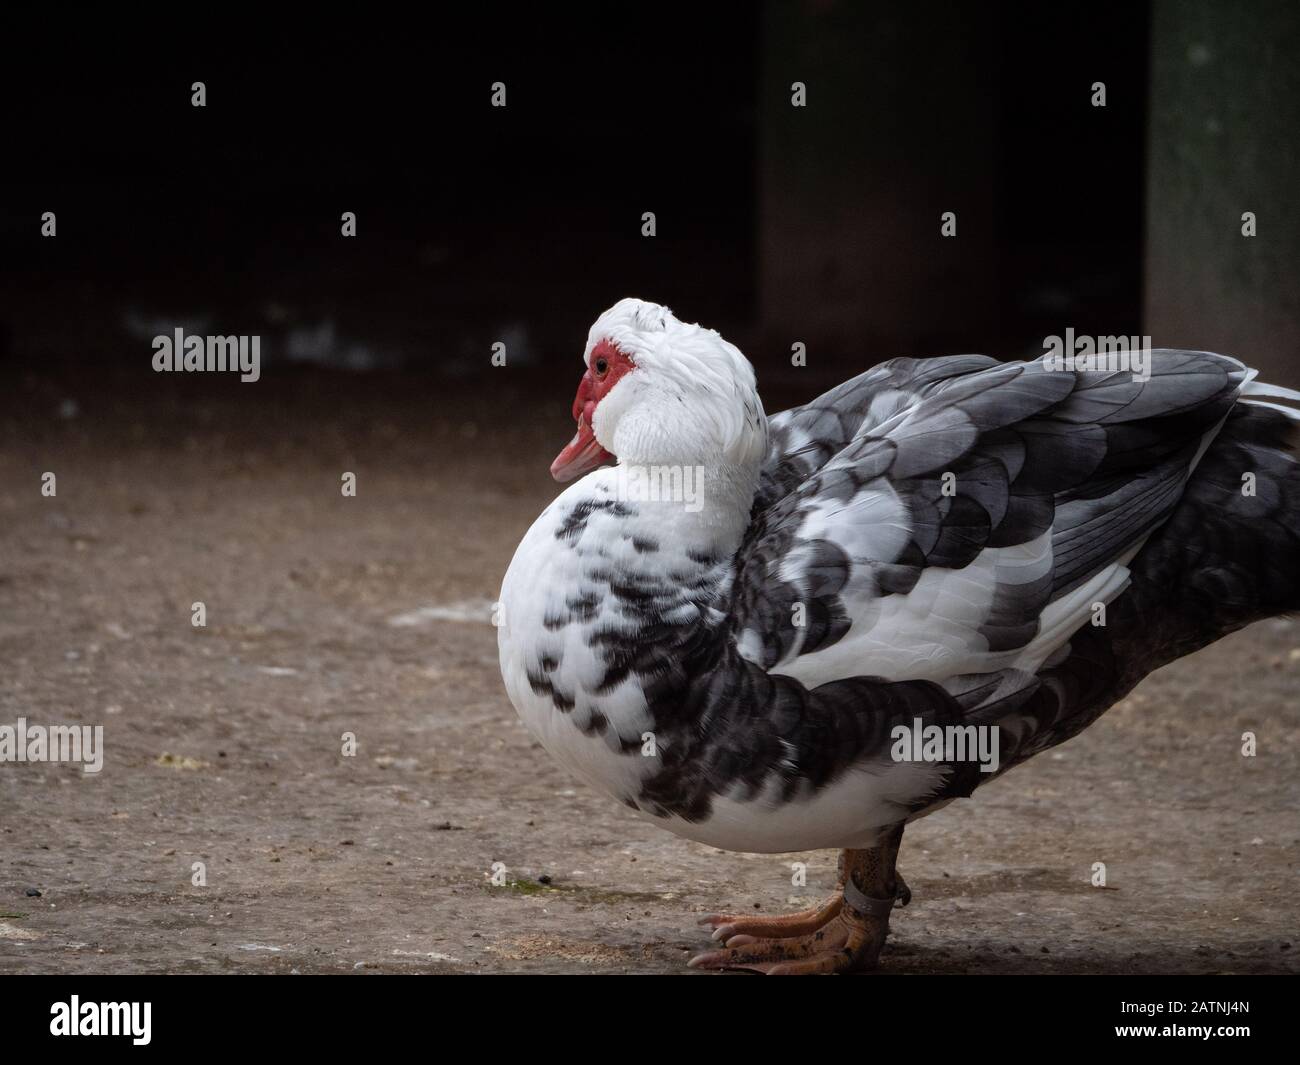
727 629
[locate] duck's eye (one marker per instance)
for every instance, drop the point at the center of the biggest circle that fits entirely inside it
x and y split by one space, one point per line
602 366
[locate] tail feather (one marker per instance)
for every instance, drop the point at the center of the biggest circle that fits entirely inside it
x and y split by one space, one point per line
1290 412
1230 553
1254 388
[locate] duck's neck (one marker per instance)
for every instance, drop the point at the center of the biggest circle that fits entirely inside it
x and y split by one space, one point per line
703 509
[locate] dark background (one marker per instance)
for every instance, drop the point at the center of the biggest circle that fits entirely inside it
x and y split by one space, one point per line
476 224
369 613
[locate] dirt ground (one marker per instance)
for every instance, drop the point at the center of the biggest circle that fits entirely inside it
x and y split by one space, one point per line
369 615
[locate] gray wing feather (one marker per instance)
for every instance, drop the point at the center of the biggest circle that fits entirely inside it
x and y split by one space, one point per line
917 467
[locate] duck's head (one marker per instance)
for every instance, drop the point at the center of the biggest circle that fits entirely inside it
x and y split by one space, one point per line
660 392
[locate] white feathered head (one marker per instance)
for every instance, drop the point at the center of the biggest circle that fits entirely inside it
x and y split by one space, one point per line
661 391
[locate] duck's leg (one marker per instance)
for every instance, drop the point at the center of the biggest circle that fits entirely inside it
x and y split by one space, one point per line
850 935
745 927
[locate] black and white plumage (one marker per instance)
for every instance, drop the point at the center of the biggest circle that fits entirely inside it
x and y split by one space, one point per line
931 540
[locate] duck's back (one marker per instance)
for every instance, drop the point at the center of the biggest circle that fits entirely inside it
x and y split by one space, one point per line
953 516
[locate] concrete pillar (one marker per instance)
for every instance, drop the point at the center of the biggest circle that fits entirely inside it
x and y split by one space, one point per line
1225 140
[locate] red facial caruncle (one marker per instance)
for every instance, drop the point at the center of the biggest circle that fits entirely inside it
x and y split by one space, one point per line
584 453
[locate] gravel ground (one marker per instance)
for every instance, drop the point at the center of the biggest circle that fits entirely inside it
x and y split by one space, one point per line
369 615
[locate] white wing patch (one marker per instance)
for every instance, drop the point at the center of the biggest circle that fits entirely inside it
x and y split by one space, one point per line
933 632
